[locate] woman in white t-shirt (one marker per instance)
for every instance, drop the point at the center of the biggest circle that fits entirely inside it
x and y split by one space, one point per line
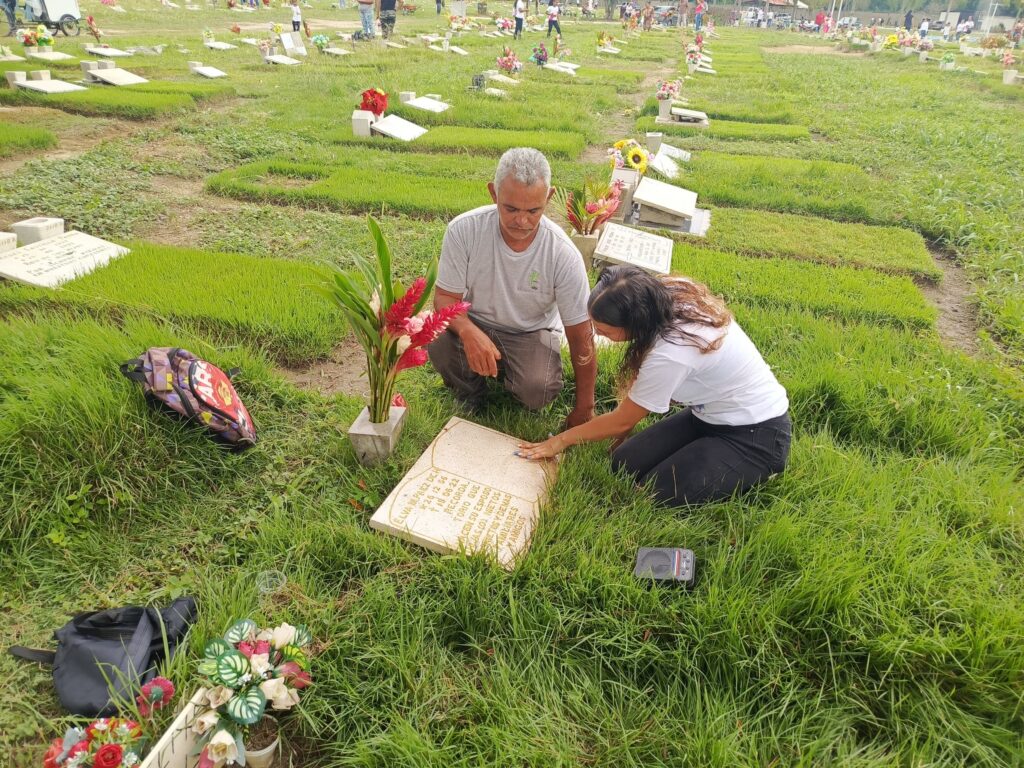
553 11
519 9
684 347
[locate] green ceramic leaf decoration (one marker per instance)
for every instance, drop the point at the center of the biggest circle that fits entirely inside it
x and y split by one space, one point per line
215 648
302 636
247 707
207 667
240 630
296 654
231 668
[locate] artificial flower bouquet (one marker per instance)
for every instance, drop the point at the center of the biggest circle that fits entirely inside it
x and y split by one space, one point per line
561 49
459 23
236 29
90 22
247 671
948 58
508 62
505 24
321 42
692 55
540 55
628 153
668 89
208 36
1008 60
604 39
109 742
388 320
589 208
39 36
925 45
374 100
892 41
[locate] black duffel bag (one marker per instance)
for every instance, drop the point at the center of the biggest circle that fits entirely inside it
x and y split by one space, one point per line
106 656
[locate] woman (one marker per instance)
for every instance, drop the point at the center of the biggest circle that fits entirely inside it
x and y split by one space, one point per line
553 11
684 346
519 14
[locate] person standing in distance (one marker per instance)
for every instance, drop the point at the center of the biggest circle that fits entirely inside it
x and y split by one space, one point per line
525 281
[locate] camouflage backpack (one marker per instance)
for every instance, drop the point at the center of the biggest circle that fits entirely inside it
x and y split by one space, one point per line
194 389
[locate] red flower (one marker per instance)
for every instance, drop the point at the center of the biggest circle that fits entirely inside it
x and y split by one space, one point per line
262 646
374 100
294 675
398 401
156 694
402 308
82 746
204 760
50 758
436 324
411 358
108 756
246 649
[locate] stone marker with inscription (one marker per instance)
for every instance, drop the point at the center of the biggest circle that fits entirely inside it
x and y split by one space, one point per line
622 245
468 492
55 260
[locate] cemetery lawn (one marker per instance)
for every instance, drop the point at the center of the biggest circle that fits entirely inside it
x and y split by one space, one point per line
865 608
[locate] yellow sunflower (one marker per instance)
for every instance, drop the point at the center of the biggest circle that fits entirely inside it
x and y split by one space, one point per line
636 158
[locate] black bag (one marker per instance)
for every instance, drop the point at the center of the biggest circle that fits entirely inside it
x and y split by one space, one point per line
123 644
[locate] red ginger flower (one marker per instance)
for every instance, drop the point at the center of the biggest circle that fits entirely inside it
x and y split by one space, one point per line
155 695
411 358
436 323
401 310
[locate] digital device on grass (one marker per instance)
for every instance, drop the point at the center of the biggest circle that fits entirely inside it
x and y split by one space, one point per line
670 564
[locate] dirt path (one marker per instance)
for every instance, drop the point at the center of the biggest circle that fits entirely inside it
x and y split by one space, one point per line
341 374
957 323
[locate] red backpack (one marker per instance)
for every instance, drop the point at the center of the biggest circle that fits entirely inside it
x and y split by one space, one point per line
195 389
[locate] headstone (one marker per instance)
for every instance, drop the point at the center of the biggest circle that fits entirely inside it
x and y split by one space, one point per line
679 155
428 104
396 127
336 51
39 228
293 45
556 67
609 49
503 79
211 72
654 139
662 203
664 165
287 61
40 74
459 51
6 54
50 56
216 45
117 77
629 179
362 119
112 53
689 116
623 245
705 70
55 260
468 492
15 77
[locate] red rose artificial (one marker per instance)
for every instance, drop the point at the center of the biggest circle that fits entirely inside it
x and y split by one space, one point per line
50 758
108 756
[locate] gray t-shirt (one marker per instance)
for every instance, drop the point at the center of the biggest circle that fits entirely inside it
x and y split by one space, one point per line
525 291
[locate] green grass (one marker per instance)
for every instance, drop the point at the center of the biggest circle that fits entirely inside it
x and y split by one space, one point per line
785 235
15 138
726 129
476 141
853 294
199 91
124 103
267 304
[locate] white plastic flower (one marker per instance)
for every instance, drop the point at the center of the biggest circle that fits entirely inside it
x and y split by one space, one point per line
260 663
404 342
205 721
285 634
375 303
129 759
219 696
279 694
222 748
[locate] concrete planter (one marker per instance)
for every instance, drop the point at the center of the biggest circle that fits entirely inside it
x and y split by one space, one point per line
664 109
586 244
654 139
923 56
374 443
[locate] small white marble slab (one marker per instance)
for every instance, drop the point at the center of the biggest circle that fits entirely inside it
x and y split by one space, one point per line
559 68
117 77
396 127
336 52
680 155
669 198
55 260
393 44
664 165
211 72
249 41
496 92
50 56
110 53
428 104
609 49
217 45
49 86
459 51
624 245
504 79
287 61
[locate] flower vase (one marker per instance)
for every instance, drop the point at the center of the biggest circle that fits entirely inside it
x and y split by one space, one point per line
586 244
691 67
31 49
923 57
665 109
374 443
1009 76
907 50
46 49
264 757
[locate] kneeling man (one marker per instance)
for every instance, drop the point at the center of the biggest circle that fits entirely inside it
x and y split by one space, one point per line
525 281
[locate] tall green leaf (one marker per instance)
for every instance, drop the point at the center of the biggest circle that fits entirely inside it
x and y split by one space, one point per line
383 261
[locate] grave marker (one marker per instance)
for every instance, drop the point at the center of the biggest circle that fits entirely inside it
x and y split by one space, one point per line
216 45
111 53
336 51
664 165
293 45
117 77
622 245
468 492
428 104
55 260
197 68
49 56
396 127
285 60
18 80
6 54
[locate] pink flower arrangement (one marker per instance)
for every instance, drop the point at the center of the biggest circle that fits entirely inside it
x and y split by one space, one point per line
589 208
1008 60
667 89
509 62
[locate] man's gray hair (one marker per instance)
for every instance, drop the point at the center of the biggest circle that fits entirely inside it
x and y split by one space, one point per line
524 164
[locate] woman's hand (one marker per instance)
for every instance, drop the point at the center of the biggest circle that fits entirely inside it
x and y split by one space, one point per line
546 450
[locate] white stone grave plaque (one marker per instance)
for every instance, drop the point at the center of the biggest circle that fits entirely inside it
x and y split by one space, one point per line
37 228
49 86
622 245
669 198
706 70
432 38
689 115
249 41
496 92
504 79
680 155
50 56
55 260
293 45
6 54
216 45
468 492
459 51
437 48
396 127
110 53
117 77
287 61
609 49
336 51
568 65
428 104
393 44
559 68
665 165
210 72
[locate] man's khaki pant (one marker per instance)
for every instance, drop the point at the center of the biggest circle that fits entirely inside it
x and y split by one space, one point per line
530 366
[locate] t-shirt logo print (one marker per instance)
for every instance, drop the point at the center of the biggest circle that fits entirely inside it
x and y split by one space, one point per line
534 280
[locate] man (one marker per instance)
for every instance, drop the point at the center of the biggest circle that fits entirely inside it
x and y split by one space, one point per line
524 279
908 20
366 9
387 16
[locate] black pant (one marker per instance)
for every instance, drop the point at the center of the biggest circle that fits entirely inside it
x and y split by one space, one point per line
519 28
553 24
693 462
296 25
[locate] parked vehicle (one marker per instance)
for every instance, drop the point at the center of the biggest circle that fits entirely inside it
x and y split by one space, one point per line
848 22
56 15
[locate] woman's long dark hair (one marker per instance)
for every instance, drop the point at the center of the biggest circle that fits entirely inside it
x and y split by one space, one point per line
650 308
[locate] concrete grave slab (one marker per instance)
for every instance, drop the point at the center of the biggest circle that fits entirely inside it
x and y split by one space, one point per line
210 72
39 228
396 127
624 245
665 198
609 49
460 51
428 104
217 45
50 56
117 77
336 52
55 260
110 53
503 79
49 86
559 68
293 45
680 155
287 61
664 165
393 44
496 92
469 492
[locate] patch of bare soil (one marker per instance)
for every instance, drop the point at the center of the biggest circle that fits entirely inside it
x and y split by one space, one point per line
818 50
342 374
957 323
185 205
71 143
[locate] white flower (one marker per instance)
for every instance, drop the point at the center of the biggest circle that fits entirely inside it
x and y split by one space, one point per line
219 696
260 663
222 748
265 634
205 721
129 759
279 694
404 342
375 303
284 634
